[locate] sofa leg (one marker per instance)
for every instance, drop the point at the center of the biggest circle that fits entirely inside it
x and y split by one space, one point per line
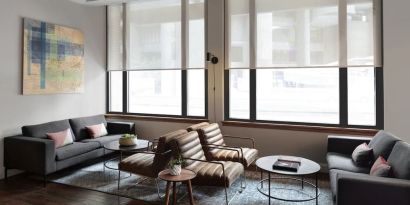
45 180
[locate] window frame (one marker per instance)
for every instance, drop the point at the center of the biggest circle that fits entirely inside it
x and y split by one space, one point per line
184 72
343 78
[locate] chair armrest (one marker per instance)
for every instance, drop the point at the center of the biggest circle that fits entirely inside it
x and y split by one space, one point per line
211 162
115 128
242 138
366 189
31 154
344 144
222 147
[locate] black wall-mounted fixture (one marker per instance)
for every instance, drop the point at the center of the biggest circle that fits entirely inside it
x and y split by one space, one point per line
211 58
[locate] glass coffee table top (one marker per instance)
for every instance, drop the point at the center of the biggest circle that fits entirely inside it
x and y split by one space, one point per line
115 146
306 166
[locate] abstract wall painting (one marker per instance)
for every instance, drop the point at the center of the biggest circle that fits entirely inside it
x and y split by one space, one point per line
53 58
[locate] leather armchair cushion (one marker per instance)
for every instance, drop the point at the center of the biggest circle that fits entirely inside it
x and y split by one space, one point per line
40 130
344 162
79 125
189 146
250 155
72 150
197 126
165 144
212 174
211 134
140 163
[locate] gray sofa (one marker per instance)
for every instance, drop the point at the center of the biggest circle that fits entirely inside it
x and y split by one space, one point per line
33 152
352 184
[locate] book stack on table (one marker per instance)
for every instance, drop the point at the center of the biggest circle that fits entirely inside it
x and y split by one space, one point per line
287 163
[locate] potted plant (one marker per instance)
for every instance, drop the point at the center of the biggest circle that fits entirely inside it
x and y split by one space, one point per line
175 165
128 140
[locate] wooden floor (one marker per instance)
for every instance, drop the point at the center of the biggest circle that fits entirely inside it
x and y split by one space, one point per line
23 190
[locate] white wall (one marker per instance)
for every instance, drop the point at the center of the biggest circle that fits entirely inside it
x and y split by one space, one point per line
17 110
397 67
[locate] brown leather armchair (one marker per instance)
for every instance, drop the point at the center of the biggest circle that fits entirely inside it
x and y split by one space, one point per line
150 163
210 173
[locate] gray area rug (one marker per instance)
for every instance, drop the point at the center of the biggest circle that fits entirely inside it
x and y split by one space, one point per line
94 177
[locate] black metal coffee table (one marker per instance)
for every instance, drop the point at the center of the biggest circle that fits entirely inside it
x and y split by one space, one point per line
307 167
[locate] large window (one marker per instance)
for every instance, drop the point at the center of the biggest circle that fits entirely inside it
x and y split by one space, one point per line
156 52
304 62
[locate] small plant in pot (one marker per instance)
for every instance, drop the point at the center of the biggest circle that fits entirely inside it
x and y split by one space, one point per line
175 165
128 140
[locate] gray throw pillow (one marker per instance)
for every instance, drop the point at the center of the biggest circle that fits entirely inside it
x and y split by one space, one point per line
362 155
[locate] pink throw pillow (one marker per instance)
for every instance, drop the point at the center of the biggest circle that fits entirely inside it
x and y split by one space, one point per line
96 131
62 138
380 168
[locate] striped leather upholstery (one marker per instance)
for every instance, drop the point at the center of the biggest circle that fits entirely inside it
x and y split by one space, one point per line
211 134
149 164
189 146
195 127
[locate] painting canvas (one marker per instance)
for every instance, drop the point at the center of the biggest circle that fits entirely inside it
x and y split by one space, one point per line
53 58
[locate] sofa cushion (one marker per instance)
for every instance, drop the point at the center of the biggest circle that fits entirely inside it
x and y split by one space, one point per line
75 149
380 168
399 160
40 130
79 125
382 144
344 162
103 140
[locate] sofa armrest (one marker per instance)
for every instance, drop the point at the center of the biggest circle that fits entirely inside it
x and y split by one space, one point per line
344 144
31 154
365 189
114 128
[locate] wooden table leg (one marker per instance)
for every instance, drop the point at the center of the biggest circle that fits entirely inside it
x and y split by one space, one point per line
191 197
174 193
167 193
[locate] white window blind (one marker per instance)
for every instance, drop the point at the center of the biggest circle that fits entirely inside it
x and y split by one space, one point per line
115 37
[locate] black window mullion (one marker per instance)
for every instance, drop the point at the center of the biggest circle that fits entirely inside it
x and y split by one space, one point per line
226 94
252 99
125 92
343 97
184 92
379 98
206 92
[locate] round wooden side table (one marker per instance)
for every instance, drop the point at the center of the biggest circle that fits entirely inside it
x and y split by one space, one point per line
185 176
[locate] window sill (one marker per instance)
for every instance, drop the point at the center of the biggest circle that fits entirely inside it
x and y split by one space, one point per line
306 128
155 118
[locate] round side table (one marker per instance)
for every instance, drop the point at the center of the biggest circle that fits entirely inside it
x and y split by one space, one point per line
185 176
